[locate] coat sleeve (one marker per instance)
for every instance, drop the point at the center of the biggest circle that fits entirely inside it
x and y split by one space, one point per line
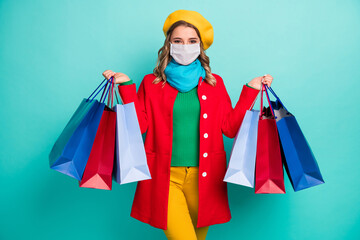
232 117
128 95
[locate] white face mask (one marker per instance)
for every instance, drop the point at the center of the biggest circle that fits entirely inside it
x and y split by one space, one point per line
185 54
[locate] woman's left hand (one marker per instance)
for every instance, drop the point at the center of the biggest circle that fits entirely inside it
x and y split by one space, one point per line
256 82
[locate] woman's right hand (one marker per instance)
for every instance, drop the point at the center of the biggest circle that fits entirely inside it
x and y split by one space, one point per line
118 77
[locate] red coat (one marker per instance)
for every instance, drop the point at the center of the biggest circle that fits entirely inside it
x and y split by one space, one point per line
154 106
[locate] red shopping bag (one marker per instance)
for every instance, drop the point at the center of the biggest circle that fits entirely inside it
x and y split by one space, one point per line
269 175
98 170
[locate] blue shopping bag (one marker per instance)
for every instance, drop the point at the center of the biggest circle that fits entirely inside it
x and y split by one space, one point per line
299 162
71 150
130 158
241 167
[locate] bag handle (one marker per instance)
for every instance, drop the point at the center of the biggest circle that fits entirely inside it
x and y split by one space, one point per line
107 81
110 98
102 95
263 89
267 96
99 91
272 91
252 105
95 91
106 90
116 93
261 101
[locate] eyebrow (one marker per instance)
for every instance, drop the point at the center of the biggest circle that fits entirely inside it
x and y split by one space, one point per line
181 38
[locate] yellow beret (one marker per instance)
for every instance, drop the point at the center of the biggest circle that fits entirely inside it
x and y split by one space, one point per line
195 18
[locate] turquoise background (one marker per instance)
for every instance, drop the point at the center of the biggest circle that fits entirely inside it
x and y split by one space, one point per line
52 55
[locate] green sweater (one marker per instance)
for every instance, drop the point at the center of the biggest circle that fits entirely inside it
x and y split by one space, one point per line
186 115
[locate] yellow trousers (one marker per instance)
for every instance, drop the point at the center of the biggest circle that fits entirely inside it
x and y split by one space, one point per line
183 205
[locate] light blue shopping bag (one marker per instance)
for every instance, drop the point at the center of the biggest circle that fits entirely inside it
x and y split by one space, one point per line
241 167
130 161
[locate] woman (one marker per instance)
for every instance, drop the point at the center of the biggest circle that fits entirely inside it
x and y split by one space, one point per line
185 109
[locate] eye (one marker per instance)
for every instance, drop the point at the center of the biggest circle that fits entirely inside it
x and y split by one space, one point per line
176 41
193 41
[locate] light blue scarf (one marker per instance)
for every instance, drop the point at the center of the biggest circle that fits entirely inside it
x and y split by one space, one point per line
184 77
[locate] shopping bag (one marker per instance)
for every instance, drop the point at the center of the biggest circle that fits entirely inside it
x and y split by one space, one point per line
72 148
99 167
269 176
131 162
241 167
300 163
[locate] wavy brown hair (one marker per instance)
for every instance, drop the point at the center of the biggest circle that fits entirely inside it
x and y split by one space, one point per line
164 56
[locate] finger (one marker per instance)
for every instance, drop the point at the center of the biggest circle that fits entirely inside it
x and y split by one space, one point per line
108 74
267 76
